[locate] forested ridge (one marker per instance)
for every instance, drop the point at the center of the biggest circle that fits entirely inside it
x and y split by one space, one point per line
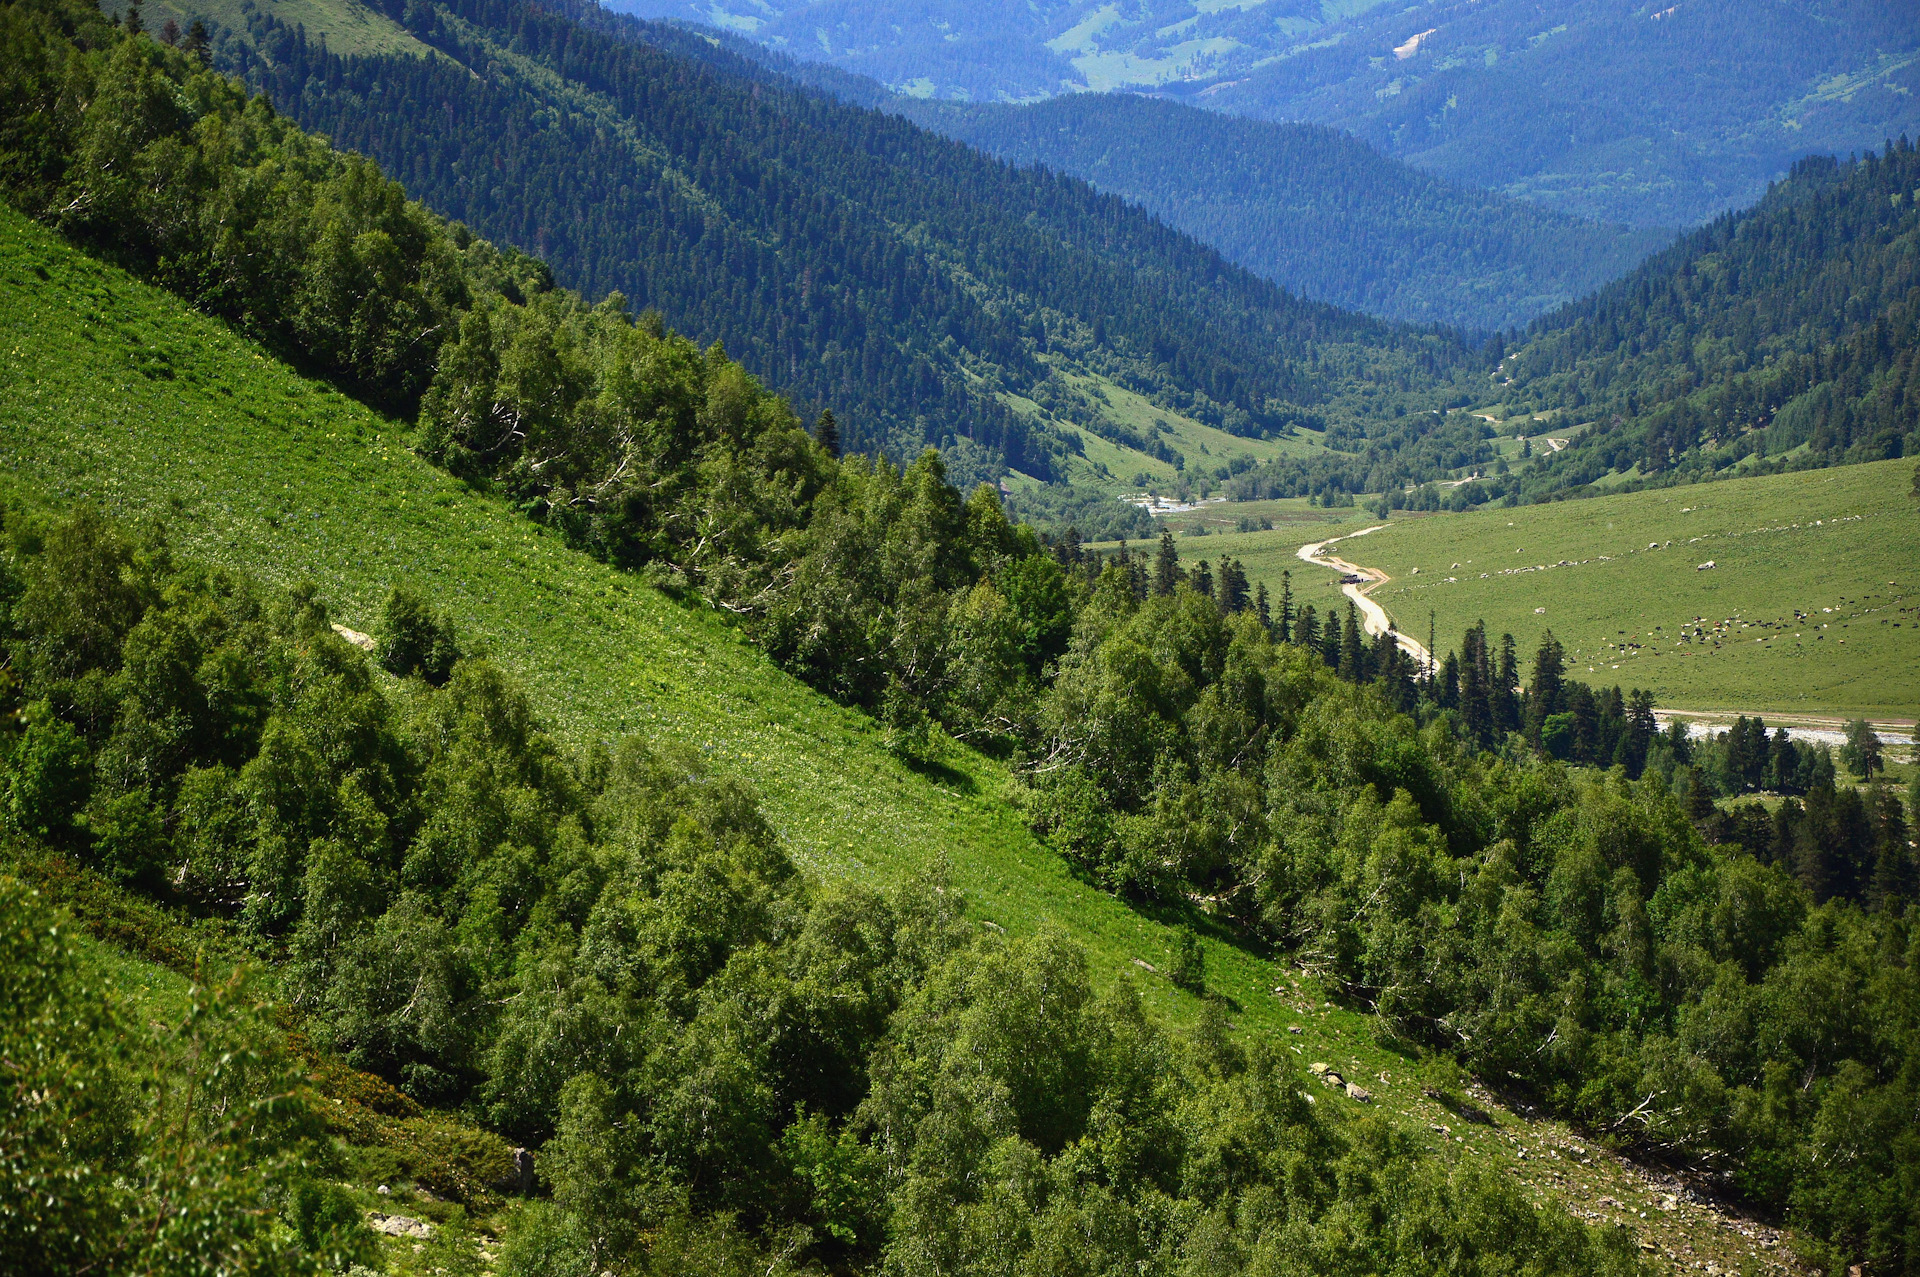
850 258
1314 209
1785 334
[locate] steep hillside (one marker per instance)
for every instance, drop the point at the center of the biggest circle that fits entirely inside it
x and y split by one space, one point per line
1313 209
1781 336
920 290
252 467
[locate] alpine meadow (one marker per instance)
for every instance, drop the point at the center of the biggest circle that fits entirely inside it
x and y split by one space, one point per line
625 655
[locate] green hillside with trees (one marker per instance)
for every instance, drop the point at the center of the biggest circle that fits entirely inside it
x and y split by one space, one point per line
1781 337
1775 340
1001 948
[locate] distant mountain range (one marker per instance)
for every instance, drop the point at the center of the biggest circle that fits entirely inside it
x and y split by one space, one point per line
1648 113
1312 208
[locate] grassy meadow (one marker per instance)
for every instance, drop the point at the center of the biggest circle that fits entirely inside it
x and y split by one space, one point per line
1113 467
114 393
348 27
1812 605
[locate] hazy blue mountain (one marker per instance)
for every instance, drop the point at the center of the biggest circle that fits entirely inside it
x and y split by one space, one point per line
1000 49
1654 114
1312 208
1649 113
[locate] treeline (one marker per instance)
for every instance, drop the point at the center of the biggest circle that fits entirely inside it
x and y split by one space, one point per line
750 209
1313 209
1787 332
1839 840
1381 456
609 958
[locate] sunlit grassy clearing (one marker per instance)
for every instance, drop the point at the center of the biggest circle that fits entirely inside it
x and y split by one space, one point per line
1846 538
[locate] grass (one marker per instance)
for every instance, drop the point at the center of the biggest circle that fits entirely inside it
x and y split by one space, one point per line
1113 467
347 26
251 465
1842 546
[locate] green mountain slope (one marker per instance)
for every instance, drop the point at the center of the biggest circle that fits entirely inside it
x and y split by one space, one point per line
252 466
852 260
1782 336
1315 210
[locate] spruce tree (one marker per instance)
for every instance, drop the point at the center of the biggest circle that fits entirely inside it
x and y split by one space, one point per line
1353 656
1284 632
1166 566
1233 586
826 432
1547 690
135 24
1261 608
1507 689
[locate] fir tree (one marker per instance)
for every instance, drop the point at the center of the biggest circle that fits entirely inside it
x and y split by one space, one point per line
1166 566
1233 586
1306 630
1353 656
826 432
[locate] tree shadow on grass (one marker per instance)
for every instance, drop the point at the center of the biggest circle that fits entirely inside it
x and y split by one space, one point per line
942 775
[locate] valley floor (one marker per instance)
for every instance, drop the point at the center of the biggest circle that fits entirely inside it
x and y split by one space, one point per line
1788 594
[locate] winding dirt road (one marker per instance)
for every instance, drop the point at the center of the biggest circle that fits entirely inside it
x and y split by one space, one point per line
1373 618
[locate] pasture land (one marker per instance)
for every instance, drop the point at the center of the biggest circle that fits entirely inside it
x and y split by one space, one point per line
1812 605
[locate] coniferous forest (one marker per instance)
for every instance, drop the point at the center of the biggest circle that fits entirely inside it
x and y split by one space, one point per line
591 1004
1788 325
1311 208
852 260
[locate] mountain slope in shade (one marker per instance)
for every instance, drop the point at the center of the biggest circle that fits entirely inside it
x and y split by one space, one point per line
1311 208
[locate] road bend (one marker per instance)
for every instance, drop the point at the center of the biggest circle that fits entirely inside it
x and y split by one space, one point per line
1362 582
